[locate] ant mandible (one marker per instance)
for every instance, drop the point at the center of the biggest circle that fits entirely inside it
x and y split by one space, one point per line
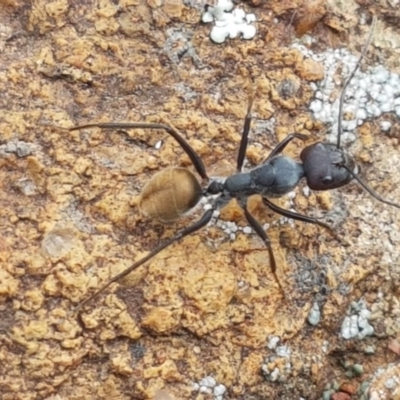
174 191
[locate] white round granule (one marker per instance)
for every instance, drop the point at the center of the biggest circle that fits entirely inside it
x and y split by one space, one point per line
205 389
361 114
218 35
354 325
367 330
248 32
223 23
380 74
274 375
234 31
316 106
226 5
351 125
389 91
207 17
273 342
386 107
306 191
219 390
385 125
314 317
238 15
208 381
291 195
365 313
250 18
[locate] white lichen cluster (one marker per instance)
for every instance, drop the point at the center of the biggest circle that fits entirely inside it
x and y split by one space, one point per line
229 22
282 357
209 385
356 325
369 94
314 316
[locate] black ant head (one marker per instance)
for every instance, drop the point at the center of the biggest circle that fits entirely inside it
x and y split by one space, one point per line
326 166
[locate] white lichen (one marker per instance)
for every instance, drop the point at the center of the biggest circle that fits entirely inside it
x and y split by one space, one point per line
229 22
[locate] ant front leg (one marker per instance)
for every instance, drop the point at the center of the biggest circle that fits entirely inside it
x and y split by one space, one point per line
281 145
300 217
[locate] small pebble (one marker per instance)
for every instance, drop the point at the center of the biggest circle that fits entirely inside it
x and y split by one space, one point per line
340 396
208 381
358 369
385 126
247 230
364 387
273 342
283 351
205 389
219 390
274 375
327 394
314 316
391 383
348 387
23 149
369 350
196 387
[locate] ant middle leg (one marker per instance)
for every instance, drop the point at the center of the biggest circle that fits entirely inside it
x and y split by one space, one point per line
264 237
245 135
301 217
245 139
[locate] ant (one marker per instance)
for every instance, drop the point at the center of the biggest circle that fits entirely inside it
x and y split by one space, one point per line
174 191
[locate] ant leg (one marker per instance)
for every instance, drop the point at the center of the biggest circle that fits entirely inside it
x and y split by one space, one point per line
194 157
245 136
203 221
281 145
264 237
300 217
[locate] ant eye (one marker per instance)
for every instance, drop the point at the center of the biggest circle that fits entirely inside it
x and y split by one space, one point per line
327 180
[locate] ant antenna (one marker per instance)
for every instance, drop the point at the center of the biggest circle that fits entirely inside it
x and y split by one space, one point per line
368 189
340 128
363 53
